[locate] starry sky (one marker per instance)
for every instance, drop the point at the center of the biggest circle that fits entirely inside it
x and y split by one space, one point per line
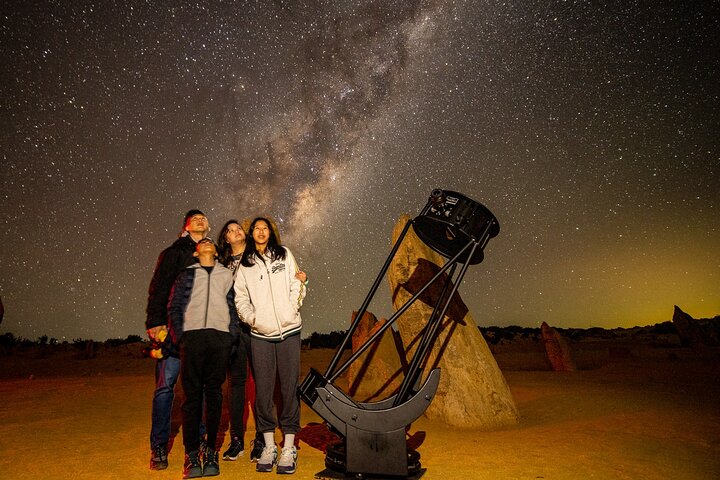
590 131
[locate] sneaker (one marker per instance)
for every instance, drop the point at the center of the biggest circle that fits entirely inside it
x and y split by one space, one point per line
267 460
192 467
158 459
211 467
288 460
235 449
257 448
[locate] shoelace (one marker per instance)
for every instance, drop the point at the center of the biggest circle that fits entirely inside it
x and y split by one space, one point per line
286 454
268 453
160 453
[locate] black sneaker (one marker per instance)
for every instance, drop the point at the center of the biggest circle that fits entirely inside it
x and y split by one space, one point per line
236 448
192 467
211 467
158 459
257 447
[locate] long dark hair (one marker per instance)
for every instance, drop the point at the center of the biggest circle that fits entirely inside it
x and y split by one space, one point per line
274 250
224 249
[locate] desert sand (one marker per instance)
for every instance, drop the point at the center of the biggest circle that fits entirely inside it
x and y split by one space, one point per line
630 412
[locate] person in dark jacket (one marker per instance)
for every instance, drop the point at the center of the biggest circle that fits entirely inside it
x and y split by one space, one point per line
230 245
171 262
204 323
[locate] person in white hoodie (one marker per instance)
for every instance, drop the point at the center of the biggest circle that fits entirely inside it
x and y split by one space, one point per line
231 245
268 297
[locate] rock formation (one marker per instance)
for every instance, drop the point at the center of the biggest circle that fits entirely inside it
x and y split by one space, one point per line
689 331
557 349
378 372
472 392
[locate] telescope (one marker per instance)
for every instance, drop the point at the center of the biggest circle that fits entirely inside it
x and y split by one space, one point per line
373 434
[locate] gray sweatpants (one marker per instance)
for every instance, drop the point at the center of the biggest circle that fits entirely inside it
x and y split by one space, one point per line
282 359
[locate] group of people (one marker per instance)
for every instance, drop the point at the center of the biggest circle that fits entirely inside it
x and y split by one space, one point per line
226 306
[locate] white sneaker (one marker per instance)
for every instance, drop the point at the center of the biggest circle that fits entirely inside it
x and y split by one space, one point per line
288 460
267 460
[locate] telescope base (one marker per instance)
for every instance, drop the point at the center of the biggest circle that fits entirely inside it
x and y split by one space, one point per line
336 466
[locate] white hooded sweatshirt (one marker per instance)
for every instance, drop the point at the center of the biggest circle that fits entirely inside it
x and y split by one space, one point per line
268 297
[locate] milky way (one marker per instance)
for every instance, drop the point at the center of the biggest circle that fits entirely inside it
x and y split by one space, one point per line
590 132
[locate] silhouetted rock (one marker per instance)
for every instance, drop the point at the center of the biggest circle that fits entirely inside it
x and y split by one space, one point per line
690 332
473 391
557 349
378 372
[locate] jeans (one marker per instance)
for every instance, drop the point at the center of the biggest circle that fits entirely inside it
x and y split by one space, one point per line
167 371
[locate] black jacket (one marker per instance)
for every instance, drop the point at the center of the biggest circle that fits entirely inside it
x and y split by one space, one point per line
171 262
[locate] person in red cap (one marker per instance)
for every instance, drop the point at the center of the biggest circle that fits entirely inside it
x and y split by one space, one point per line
170 263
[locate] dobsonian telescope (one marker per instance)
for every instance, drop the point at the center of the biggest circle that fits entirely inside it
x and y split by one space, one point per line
373 434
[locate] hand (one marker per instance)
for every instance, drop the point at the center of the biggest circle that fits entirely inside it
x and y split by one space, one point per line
154 331
302 276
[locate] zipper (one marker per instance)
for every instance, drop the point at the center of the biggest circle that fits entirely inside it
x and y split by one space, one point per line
207 300
272 298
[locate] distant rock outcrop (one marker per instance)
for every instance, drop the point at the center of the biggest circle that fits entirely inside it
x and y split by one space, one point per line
473 391
557 349
690 333
378 372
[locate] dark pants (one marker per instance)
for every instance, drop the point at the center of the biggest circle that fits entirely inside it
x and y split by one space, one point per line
238 383
282 359
204 357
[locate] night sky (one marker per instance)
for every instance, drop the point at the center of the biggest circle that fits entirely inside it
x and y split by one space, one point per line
590 131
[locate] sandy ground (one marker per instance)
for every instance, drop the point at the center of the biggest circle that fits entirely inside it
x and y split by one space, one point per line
650 415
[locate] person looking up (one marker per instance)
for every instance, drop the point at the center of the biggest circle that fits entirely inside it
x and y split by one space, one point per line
170 263
268 297
204 323
231 245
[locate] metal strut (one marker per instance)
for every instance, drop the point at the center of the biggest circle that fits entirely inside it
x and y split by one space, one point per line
374 434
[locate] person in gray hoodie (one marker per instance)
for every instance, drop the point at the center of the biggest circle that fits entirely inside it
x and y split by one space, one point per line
204 323
268 299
